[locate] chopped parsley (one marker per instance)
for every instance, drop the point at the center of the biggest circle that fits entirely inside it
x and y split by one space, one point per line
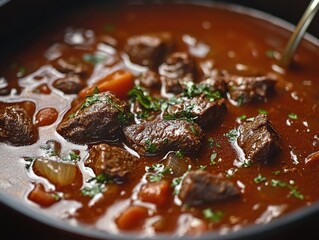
240 100
156 172
202 167
232 135
71 156
150 147
262 111
191 90
212 143
270 53
94 58
148 103
259 179
179 154
98 185
212 216
279 183
213 158
242 117
185 114
140 94
49 149
293 116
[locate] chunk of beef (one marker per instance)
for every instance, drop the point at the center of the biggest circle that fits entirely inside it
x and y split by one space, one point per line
114 161
178 68
96 119
16 126
247 89
259 140
200 187
203 111
215 84
161 136
71 84
150 79
73 66
149 49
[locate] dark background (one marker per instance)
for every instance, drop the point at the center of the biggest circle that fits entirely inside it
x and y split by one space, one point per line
18 17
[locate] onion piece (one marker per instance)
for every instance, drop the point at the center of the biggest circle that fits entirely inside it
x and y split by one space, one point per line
59 173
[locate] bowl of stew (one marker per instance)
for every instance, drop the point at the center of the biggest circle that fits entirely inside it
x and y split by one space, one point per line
158 120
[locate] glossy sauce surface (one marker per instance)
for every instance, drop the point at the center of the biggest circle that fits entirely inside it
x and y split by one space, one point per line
238 43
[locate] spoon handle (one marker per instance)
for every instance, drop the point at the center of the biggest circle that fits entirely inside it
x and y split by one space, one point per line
299 33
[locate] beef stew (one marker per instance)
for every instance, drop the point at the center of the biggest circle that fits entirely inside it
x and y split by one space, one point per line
113 139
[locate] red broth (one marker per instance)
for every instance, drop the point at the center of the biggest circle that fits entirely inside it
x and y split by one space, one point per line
238 42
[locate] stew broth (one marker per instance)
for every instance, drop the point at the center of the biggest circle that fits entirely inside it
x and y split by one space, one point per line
237 43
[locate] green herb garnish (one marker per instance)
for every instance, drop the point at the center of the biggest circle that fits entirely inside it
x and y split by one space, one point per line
191 90
156 172
232 135
262 111
259 179
98 185
94 58
293 116
213 216
150 147
213 158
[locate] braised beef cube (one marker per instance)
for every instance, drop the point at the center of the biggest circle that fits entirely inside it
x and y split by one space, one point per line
200 187
98 118
149 49
114 161
149 138
216 83
150 79
178 69
259 140
16 126
73 66
247 89
199 109
71 84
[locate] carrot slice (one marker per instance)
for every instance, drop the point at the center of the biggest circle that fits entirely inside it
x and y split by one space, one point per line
40 196
155 192
132 217
118 82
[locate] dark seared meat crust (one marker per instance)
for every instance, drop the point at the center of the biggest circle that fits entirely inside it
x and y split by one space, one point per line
259 140
199 187
112 160
94 123
16 126
161 136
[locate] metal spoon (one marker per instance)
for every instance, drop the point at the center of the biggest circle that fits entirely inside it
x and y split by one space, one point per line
299 32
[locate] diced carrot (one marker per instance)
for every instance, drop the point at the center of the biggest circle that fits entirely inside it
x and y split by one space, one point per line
132 217
40 196
46 116
118 82
155 192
